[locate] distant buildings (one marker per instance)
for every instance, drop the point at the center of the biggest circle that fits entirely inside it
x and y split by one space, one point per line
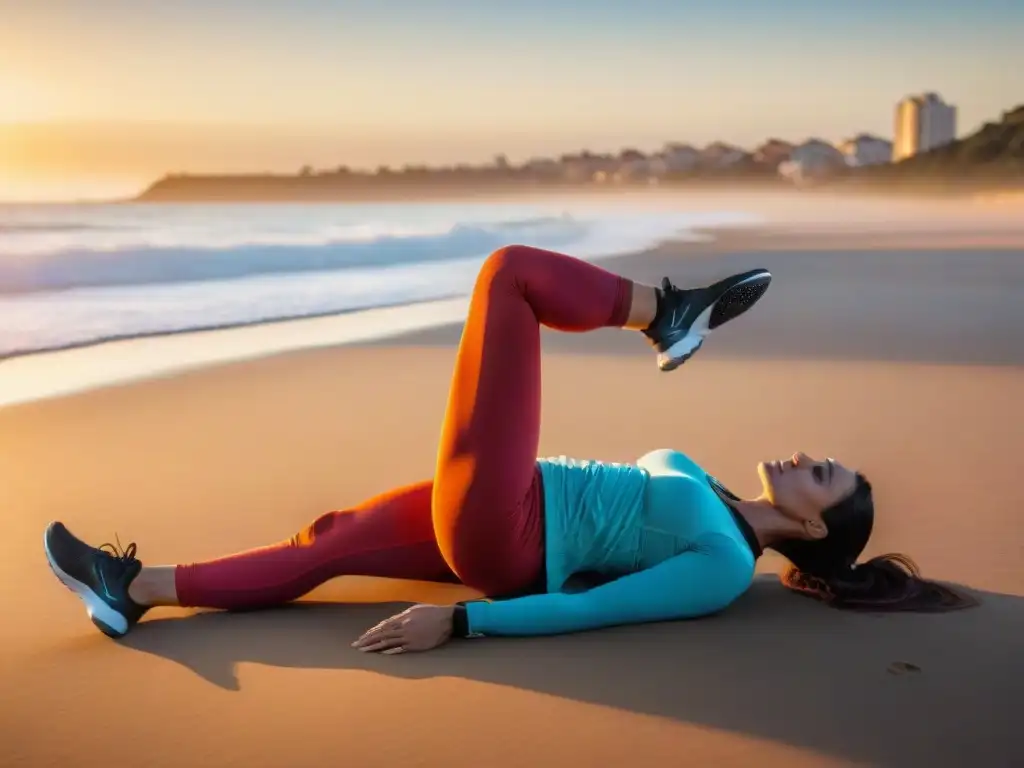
865 149
542 167
773 152
719 155
923 122
633 165
680 158
813 159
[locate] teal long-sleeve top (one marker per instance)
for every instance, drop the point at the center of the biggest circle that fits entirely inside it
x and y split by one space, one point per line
658 529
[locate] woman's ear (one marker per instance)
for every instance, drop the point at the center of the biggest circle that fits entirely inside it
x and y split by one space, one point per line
815 529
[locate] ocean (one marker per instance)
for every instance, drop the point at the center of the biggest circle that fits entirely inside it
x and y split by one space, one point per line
93 295
74 275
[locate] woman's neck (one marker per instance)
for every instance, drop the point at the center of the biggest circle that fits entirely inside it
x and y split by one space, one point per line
769 525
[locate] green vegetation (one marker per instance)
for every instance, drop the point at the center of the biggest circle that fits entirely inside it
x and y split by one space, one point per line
993 156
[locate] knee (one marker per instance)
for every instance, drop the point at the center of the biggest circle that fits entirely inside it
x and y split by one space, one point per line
507 264
318 531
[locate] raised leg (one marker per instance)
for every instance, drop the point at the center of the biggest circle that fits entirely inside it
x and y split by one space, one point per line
487 504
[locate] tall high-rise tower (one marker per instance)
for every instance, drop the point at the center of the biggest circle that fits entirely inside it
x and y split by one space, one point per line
923 122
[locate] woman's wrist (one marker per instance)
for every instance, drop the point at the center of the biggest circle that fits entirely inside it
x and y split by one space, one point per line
460 620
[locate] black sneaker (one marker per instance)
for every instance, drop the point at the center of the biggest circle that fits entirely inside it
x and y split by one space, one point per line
686 317
99 576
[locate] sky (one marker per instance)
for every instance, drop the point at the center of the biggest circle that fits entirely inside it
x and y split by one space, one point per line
104 96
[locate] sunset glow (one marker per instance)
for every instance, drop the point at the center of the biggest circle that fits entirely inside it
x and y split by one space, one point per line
121 93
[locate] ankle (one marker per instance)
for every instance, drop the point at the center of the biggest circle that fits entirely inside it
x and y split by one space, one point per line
154 586
659 309
137 590
644 307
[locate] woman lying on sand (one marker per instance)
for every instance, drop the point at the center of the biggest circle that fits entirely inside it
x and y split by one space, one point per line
668 540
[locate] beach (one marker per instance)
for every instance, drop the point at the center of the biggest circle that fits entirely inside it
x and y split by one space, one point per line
899 352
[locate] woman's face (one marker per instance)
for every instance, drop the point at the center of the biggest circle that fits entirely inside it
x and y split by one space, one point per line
802 488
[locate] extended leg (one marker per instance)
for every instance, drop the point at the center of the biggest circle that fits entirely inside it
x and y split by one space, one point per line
389 536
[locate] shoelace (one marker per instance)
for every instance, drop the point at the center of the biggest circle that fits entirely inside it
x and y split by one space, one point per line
667 287
125 555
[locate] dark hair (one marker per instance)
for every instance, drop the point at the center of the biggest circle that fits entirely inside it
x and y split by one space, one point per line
827 569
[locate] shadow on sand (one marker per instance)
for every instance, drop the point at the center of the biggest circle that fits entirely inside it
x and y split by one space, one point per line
886 690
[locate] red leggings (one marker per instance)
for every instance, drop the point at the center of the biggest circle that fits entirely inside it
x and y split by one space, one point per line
481 519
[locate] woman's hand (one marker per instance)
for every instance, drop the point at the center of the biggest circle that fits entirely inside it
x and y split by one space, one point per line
419 628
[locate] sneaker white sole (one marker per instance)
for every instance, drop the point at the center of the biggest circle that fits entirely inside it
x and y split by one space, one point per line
106 619
685 348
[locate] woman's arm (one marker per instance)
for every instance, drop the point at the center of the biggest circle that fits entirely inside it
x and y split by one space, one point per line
695 583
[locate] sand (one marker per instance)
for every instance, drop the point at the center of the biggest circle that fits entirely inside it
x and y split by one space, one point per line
908 364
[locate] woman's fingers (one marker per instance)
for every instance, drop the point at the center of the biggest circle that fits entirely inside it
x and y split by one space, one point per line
373 637
384 645
380 642
420 628
386 634
387 624
389 636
